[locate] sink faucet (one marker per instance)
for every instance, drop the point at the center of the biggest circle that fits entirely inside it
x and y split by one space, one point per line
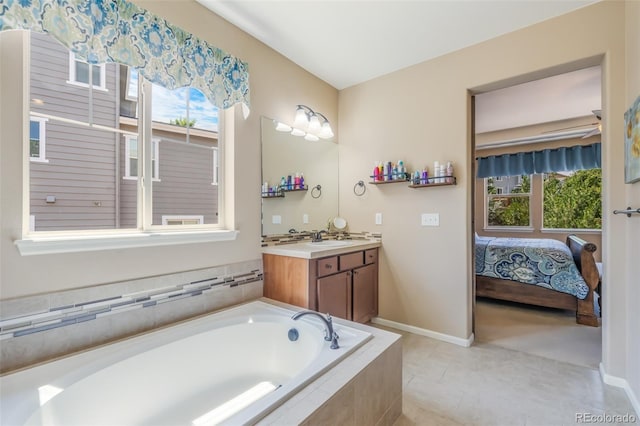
330 335
316 237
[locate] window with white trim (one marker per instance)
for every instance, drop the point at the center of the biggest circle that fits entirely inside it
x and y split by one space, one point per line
101 152
37 139
132 156
508 201
84 74
572 200
216 167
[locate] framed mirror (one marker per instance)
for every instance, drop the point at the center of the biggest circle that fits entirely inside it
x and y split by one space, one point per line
285 155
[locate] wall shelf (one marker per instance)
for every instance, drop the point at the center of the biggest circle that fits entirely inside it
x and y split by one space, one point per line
435 181
398 179
281 192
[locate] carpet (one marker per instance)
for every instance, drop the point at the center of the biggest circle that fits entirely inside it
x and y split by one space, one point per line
546 332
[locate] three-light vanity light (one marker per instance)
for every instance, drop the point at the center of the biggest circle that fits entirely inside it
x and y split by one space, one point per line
307 123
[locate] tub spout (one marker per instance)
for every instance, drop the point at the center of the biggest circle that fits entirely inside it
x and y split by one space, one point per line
330 335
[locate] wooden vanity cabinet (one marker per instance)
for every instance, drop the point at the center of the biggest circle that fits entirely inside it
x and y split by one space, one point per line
343 285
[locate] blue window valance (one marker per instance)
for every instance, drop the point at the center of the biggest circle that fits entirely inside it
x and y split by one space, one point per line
563 159
101 31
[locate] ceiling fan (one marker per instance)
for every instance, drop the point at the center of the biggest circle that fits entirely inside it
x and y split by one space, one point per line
593 132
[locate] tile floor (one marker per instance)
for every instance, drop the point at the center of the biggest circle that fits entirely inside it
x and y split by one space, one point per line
445 384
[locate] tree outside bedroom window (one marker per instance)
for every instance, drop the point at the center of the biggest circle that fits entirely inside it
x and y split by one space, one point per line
573 200
508 201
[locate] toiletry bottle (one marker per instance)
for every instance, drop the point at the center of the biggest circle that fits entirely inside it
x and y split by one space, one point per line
376 173
283 184
389 171
296 181
289 183
301 181
416 178
449 172
401 170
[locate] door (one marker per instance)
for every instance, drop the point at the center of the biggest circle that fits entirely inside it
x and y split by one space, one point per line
364 293
334 295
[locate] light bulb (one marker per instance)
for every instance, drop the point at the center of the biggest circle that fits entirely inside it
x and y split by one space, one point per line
281 127
326 132
301 121
314 124
311 137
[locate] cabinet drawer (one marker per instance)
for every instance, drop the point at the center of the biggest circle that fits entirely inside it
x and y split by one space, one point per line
370 256
327 266
351 260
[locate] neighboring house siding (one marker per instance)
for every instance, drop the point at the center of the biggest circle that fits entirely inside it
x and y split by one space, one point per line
80 172
186 173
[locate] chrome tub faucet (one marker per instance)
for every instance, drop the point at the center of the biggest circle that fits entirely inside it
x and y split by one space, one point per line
330 335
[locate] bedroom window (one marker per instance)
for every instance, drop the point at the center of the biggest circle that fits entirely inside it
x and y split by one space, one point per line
508 201
573 200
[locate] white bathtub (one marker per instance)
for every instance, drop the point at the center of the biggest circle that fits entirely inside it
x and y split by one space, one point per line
177 375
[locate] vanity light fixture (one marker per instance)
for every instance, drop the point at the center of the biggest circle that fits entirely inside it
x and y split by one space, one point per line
308 123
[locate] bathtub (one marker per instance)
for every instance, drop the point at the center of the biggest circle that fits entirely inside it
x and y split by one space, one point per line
230 367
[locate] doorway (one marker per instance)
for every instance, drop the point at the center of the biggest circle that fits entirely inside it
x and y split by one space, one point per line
560 110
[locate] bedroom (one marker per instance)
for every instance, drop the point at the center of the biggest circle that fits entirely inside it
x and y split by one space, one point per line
422 286
542 117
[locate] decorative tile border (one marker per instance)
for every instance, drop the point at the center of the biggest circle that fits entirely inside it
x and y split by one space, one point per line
61 316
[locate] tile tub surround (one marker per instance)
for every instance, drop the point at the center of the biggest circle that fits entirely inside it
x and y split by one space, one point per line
44 327
364 389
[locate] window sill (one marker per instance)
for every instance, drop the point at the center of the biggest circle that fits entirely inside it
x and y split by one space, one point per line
38 160
570 231
68 244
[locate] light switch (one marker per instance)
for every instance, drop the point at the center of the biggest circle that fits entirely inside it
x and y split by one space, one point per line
430 219
305 218
378 218
276 219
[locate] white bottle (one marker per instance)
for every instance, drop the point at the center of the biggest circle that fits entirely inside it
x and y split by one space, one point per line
449 172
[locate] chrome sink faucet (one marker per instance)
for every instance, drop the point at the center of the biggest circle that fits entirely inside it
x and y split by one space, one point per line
316 237
330 335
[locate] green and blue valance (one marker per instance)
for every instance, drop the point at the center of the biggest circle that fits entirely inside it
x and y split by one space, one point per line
579 157
101 31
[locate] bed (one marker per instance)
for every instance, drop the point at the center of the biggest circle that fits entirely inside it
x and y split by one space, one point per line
539 271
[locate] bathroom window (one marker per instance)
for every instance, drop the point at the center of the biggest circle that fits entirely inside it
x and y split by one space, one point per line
508 200
94 135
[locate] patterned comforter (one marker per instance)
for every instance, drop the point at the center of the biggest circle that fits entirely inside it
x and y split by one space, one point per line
544 262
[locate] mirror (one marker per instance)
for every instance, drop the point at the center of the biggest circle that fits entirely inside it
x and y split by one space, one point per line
284 154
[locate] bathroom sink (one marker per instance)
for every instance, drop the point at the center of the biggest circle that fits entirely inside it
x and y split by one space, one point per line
330 243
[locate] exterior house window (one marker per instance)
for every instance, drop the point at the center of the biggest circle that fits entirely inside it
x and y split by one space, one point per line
572 200
508 201
37 139
131 158
85 74
182 220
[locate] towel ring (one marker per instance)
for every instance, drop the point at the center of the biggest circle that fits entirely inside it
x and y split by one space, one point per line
318 191
359 192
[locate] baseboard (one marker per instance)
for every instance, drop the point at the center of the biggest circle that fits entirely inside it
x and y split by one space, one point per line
621 383
424 332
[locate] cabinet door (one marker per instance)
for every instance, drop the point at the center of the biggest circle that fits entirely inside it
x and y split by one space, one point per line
334 295
365 293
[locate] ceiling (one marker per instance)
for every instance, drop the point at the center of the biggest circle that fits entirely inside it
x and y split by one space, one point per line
347 42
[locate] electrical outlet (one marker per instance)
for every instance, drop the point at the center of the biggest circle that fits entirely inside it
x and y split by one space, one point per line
305 218
378 218
430 219
276 219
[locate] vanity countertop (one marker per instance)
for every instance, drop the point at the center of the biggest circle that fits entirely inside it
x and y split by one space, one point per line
309 250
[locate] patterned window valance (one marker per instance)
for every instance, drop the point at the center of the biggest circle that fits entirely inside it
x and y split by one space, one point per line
100 31
563 159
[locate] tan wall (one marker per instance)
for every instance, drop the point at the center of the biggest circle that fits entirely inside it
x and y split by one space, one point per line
422 114
277 86
632 15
